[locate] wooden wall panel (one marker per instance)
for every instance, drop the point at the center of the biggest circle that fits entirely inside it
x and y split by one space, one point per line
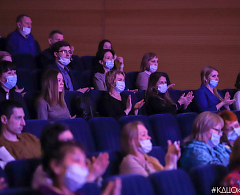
186 35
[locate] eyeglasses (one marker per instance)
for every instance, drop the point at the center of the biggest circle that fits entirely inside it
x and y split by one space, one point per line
66 51
218 130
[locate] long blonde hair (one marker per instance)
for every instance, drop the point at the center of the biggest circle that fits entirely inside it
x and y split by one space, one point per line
50 89
206 71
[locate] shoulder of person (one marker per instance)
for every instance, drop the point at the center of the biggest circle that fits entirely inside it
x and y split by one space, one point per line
28 136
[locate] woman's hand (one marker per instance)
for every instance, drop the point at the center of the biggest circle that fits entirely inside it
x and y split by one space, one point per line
83 90
138 105
128 105
186 100
170 86
113 187
173 154
72 117
227 101
119 62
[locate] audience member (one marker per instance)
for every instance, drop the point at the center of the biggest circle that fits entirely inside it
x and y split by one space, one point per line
232 180
149 65
15 144
105 62
114 103
62 53
231 128
65 164
8 79
51 135
51 104
207 96
158 100
236 104
21 40
136 143
5 56
203 145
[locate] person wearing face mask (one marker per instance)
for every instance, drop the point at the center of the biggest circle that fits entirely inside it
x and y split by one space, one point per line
149 65
63 53
105 62
114 103
65 164
21 40
203 145
231 128
207 97
158 100
136 144
8 79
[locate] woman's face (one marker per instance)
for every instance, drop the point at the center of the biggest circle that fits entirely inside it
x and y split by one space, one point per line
107 45
107 56
4 76
142 135
153 61
60 82
119 77
213 76
230 126
217 129
65 136
162 80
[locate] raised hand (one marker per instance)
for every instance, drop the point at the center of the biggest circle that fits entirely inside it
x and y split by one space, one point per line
128 105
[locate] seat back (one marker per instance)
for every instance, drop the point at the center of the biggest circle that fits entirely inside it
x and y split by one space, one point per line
18 191
19 173
70 99
164 128
206 177
31 103
35 126
87 62
130 80
175 94
81 132
172 182
159 153
106 133
24 61
90 189
24 79
185 123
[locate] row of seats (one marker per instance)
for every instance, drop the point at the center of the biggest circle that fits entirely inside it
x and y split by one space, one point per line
200 180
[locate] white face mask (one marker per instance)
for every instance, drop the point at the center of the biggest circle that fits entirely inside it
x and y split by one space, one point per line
11 81
233 135
153 68
109 64
162 88
75 176
64 61
120 86
215 140
26 30
146 146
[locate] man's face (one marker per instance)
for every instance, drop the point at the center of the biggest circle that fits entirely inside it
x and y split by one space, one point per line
25 22
63 52
56 37
16 122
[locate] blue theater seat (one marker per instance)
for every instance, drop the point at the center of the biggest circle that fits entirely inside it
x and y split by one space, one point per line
106 133
173 182
164 127
141 95
82 79
35 126
81 132
237 112
18 191
144 119
24 79
158 153
87 62
19 173
175 94
133 97
24 61
31 103
205 177
130 80
70 99
90 189
133 184
2 173
185 123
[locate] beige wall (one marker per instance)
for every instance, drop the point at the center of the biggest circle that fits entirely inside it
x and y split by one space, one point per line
186 35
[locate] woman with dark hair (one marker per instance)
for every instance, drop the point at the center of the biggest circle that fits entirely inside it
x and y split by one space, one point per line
207 96
114 103
203 145
236 104
51 104
158 100
65 164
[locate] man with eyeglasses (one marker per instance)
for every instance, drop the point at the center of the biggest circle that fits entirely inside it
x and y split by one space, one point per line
62 53
231 129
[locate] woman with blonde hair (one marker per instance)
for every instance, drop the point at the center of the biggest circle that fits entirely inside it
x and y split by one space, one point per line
203 145
51 104
207 96
136 143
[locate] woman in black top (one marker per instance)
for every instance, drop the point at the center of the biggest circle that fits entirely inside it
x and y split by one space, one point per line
114 103
158 100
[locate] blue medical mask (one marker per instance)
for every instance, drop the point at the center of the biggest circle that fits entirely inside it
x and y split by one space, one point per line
215 140
153 68
109 64
26 30
11 81
233 135
120 86
213 84
162 88
75 176
64 61
146 146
